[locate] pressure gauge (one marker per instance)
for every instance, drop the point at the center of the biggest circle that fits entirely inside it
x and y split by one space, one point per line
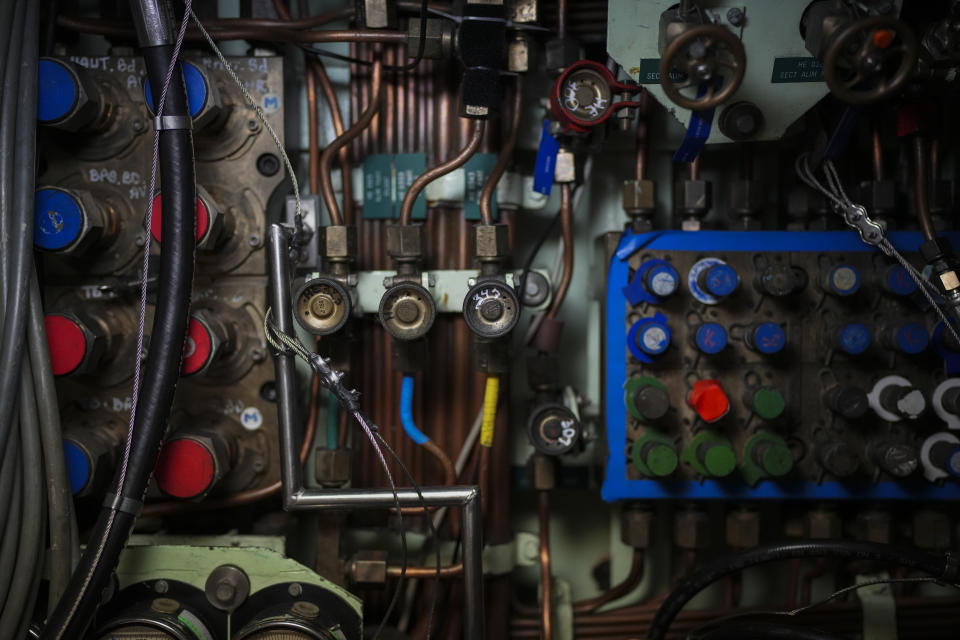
407 311
322 306
491 309
554 430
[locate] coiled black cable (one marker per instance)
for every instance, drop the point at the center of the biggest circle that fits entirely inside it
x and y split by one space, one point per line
944 566
162 368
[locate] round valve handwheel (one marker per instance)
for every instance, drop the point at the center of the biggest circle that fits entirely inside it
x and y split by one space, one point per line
870 60
702 54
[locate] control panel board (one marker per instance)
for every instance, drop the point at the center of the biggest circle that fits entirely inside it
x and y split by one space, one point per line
775 365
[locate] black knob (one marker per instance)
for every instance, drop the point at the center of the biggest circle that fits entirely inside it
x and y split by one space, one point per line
950 401
741 121
848 401
838 459
896 458
779 280
652 402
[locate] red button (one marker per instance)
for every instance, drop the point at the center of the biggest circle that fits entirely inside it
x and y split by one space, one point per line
185 468
66 343
156 216
709 400
196 348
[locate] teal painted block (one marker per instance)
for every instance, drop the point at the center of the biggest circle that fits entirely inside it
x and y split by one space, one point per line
407 167
378 186
476 171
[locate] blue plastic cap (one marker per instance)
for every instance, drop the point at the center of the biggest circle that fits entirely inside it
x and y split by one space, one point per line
56 91
912 338
899 281
78 466
721 280
711 338
57 219
769 338
653 338
844 280
196 85
662 280
854 338
953 462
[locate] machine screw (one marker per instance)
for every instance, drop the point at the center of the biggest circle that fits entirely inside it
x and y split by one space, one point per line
268 164
295 590
257 355
165 605
161 586
306 610
735 16
253 240
252 124
137 125
139 240
227 587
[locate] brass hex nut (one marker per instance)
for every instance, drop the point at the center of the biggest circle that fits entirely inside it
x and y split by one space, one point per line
822 523
338 242
743 528
874 526
746 197
518 55
565 169
636 527
405 241
693 197
561 53
438 41
491 240
691 529
332 466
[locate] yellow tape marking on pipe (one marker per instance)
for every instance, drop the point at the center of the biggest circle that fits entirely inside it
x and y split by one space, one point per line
490 395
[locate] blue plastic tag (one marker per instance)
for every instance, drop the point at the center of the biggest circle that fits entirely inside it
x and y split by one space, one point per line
697 132
546 161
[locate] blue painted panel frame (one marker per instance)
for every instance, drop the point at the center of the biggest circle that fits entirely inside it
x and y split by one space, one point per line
616 485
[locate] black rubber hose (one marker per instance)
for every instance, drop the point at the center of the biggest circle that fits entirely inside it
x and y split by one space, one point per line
162 367
943 566
766 631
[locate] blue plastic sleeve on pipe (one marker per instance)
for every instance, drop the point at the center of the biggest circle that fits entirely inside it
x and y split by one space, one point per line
406 412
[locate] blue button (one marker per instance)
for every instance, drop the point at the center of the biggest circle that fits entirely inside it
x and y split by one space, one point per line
711 338
653 338
769 338
57 219
78 466
854 338
721 280
844 280
662 280
196 86
899 282
56 91
912 338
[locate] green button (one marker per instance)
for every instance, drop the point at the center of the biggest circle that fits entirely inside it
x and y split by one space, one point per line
719 460
777 460
662 460
768 403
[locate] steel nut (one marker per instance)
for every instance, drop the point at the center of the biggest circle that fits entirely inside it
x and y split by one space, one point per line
639 196
405 241
743 529
560 54
338 242
491 240
332 466
691 530
438 41
693 197
369 567
636 527
931 530
746 197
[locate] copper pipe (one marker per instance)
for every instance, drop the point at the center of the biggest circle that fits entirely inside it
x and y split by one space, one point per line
546 588
566 225
428 176
561 19
449 571
389 106
877 155
935 159
124 30
449 472
313 131
695 168
326 159
618 591
336 117
921 186
506 154
170 507
642 133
